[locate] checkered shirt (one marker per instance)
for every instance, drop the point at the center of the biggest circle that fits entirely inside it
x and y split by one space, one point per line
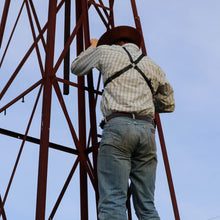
129 92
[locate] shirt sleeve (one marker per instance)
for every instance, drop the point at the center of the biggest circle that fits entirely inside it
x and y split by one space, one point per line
164 96
86 61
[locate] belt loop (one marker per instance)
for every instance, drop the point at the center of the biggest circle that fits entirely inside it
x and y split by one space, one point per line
133 115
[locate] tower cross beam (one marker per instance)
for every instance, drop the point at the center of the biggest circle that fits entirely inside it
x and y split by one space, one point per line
84 144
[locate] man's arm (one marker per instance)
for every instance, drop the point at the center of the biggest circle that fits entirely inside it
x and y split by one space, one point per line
164 96
87 60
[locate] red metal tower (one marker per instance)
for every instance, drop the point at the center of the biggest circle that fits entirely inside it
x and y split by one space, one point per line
52 59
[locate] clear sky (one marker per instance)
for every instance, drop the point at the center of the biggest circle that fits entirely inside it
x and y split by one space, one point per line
183 38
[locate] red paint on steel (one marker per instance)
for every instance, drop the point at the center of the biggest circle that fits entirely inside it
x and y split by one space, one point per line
67 45
34 38
83 156
66 67
82 118
37 141
37 23
20 65
2 210
40 36
20 96
64 188
49 81
92 113
138 24
4 19
159 127
11 34
167 167
46 110
22 146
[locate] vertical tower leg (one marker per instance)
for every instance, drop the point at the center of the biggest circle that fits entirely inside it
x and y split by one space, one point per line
46 111
82 120
159 127
49 81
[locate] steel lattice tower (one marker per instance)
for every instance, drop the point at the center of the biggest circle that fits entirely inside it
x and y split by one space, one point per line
51 61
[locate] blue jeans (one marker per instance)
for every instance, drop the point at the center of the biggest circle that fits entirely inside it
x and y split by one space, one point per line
127 151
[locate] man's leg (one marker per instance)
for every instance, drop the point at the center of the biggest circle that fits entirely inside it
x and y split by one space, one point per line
113 171
143 174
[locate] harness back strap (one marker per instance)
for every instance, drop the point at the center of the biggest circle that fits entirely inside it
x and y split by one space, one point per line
133 64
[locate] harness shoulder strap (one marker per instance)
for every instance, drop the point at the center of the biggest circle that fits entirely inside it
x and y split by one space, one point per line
145 78
139 70
133 64
137 60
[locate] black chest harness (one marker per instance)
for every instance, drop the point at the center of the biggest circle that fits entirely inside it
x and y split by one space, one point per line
133 64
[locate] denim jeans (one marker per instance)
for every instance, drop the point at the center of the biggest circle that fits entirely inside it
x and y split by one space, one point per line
127 151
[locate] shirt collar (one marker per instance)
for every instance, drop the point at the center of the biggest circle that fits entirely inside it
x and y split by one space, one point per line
131 45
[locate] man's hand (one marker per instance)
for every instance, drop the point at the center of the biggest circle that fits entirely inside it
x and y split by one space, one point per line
94 42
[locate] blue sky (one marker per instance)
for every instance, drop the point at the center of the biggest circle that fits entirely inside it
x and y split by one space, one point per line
183 38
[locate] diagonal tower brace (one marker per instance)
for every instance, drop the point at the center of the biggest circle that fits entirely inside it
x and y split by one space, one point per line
49 82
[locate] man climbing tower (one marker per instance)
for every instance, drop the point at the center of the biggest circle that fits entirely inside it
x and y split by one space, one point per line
135 87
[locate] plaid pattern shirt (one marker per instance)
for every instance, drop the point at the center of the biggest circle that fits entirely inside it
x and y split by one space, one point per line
129 92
